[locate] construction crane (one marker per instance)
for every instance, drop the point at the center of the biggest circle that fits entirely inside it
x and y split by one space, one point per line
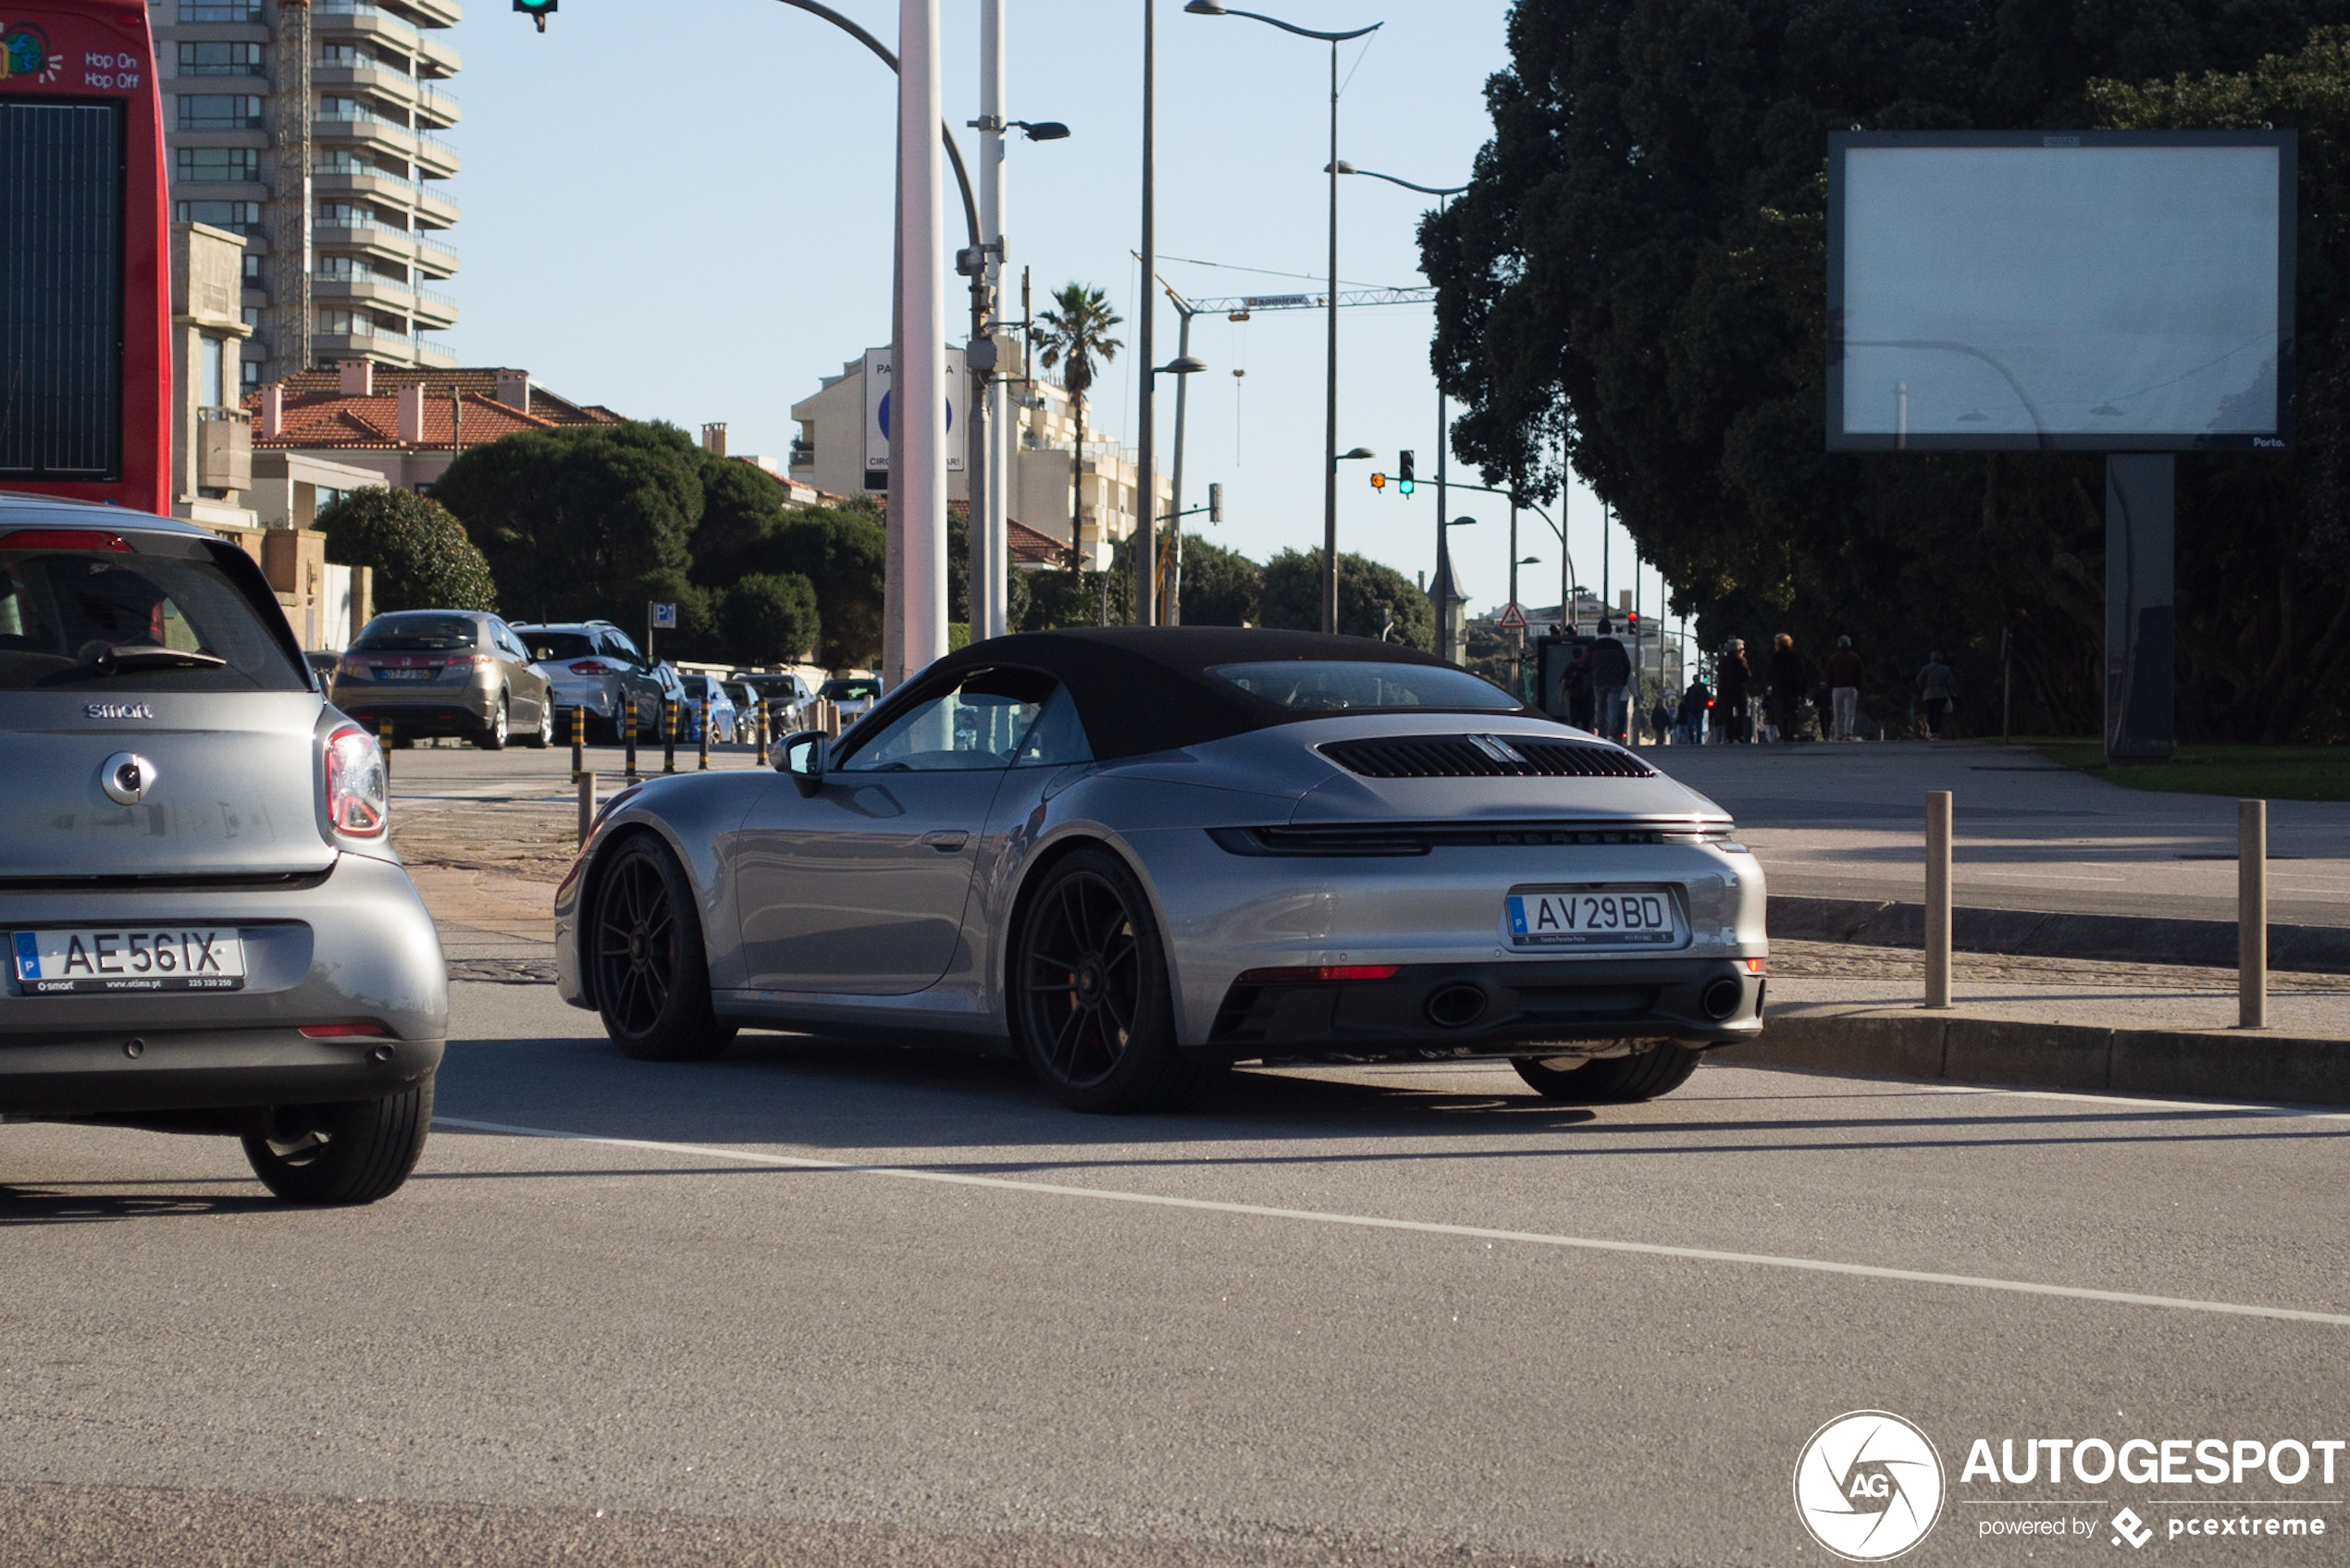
1239 309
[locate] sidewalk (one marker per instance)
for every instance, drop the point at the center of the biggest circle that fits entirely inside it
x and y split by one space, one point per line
2152 1030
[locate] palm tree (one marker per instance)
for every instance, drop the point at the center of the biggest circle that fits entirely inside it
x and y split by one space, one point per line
1071 334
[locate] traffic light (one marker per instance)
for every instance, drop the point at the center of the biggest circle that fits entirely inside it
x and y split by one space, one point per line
537 10
1379 481
1216 503
1404 473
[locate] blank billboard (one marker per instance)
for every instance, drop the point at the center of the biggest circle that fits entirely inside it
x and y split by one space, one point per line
2114 291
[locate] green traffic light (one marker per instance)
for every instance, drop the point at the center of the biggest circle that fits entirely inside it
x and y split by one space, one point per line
538 10
1403 487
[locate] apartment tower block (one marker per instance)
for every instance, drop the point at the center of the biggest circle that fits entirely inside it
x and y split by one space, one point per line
309 128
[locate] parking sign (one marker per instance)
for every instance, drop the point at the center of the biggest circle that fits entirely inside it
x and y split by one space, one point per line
664 617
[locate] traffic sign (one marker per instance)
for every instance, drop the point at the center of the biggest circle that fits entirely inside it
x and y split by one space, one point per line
666 617
1512 618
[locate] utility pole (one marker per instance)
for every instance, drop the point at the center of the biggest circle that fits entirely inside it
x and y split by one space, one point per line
1330 428
1145 547
991 493
290 247
918 354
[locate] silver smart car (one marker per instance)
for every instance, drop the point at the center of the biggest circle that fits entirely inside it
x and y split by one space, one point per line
207 929
1134 856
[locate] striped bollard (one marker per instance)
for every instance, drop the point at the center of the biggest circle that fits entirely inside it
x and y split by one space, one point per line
578 739
702 710
629 714
669 734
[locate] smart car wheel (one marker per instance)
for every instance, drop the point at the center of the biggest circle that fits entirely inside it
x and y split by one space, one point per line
492 735
544 735
1089 996
1644 1075
353 1152
653 980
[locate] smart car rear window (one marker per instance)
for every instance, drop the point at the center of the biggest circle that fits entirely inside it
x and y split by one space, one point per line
1330 686
168 618
410 633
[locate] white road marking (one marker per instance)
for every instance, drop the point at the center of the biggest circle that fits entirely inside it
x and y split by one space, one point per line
1426 1227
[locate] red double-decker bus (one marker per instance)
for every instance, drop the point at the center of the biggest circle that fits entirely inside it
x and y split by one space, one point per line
85 280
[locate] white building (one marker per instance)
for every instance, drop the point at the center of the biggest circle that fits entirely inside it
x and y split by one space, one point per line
830 455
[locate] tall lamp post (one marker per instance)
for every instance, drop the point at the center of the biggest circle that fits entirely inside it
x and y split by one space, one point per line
1444 649
1329 441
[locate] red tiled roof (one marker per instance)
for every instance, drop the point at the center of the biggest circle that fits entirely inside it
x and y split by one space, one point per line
1033 547
330 421
474 382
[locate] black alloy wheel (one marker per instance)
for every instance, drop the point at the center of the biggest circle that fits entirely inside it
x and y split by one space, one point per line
1612 1080
1090 999
644 951
492 735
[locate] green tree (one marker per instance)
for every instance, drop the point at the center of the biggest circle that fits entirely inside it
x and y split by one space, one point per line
1072 335
842 553
584 521
422 557
1221 588
1373 601
1635 285
767 619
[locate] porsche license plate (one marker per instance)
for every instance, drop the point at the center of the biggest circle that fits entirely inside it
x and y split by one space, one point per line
116 961
1583 917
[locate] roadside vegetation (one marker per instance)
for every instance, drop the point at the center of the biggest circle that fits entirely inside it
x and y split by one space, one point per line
2256 772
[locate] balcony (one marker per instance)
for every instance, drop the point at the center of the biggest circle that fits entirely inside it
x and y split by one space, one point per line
369 131
432 354
434 252
436 156
383 293
435 310
439 108
344 18
434 207
433 13
367 75
365 238
373 183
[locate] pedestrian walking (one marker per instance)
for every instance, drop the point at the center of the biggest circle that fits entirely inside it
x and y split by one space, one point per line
1611 678
1783 674
1937 693
1690 720
1844 687
1575 687
1734 680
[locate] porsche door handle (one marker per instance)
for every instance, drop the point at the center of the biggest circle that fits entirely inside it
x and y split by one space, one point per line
946 841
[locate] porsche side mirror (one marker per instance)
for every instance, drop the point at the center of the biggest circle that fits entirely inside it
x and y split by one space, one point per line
803 756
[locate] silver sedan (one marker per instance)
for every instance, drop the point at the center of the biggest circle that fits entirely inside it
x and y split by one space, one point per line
1135 856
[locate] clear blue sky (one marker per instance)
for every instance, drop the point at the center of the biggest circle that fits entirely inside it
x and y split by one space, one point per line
682 212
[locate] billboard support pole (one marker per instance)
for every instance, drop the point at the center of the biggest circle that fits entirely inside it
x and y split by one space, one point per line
2141 494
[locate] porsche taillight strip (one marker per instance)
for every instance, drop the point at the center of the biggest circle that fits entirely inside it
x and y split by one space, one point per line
1483 756
1408 838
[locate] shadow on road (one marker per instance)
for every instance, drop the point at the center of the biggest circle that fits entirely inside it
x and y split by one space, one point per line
59 1203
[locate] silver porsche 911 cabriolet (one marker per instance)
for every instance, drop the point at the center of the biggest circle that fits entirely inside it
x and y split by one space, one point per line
1137 855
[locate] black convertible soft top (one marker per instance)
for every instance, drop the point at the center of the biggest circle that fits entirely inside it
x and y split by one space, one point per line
1145 689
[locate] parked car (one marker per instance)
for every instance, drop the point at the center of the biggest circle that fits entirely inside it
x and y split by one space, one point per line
445 671
1134 856
853 695
207 929
784 693
707 696
594 666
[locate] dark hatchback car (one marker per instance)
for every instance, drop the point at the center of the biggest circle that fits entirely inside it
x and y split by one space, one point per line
206 928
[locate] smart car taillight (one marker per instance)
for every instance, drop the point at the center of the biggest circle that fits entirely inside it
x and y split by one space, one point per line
356 786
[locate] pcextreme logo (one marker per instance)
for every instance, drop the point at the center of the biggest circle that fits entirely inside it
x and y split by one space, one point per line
1868 1486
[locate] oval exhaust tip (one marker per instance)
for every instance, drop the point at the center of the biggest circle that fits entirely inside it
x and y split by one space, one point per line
1721 998
1456 1006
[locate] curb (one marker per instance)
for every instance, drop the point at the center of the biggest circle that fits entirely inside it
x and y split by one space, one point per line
2129 939
2222 1065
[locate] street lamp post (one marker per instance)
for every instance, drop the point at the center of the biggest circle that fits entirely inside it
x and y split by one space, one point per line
1444 649
1145 544
1329 441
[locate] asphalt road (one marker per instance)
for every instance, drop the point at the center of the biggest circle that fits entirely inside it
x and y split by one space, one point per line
1849 821
818 1304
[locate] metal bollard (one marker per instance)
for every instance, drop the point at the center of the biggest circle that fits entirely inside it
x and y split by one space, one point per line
383 743
1937 898
759 725
578 739
702 709
629 716
587 805
2252 914
669 734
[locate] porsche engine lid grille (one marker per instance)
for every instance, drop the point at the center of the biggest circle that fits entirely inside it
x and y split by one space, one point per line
1484 756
